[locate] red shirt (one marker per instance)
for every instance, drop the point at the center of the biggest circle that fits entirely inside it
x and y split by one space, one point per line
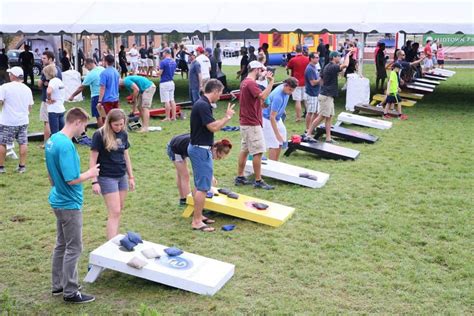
427 51
250 105
298 65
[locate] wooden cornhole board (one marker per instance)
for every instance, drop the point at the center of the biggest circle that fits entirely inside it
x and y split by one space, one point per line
347 134
427 81
381 97
324 150
160 112
435 77
187 271
419 88
288 173
370 109
349 118
413 96
275 215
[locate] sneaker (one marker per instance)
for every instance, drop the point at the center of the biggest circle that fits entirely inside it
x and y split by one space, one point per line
262 185
241 181
403 117
331 141
21 169
2 170
182 202
387 117
60 291
79 298
308 139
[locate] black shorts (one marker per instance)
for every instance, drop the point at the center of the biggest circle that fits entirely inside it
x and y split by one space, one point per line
441 62
393 98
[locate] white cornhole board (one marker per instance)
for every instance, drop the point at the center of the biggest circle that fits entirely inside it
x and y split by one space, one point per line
428 81
289 173
443 72
11 151
358 91
420 88
188 271
345 117
72 81
424 85
427 75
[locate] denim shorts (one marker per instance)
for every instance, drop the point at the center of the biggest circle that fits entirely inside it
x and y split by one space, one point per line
111 185
174 157
201 161
94 101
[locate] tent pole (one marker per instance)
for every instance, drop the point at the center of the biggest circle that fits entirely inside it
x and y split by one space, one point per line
74 51
211 39
361 54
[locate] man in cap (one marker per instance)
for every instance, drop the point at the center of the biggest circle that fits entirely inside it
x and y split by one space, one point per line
205 66
251 124
327 94
16 101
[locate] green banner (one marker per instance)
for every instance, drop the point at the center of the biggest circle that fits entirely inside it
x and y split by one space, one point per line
452 39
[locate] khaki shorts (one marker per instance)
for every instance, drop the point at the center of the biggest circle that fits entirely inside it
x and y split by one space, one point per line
299 94
146 98
44 112
252 139
326 106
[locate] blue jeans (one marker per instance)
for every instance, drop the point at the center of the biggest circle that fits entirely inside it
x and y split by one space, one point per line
194 95
201 161
56 121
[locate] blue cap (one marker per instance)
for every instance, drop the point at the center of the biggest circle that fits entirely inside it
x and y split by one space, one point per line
209 50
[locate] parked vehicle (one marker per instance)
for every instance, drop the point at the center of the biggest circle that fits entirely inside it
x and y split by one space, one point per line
13 55
232 49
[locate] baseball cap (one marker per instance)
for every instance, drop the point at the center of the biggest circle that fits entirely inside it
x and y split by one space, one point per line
199 49
167 50
209 50
16 71
334 54
256 64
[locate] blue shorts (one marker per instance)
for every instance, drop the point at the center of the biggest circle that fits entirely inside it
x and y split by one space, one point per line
94 102
174 157
391 98
201 161
111 185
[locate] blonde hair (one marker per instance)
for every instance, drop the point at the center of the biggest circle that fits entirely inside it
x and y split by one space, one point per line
50 71
108 135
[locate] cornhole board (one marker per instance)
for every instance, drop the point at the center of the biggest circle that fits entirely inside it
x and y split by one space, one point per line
424 85
288 173
349 118
92 125
427 81
381 97
413 96
435 77
35 137
187 271
324 150
370 109
11 151
347 134
233 95
418 88
160 112
275 215
443 72
184 104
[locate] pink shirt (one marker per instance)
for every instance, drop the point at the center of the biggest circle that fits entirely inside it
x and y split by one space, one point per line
440 54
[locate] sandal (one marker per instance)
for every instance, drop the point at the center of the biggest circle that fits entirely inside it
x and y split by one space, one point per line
205 228
208 221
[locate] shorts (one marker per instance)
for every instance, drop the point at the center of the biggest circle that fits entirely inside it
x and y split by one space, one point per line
174 157
440 61
112 185
269 135
299 94
326 106
94 101
143 62
252 139
428 63
110 105
10 133
393 98
150 62
201 162
167 91
134 66
44 112
146 98
311 104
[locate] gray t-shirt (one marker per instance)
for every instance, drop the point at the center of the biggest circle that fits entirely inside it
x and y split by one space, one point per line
194 71
329 76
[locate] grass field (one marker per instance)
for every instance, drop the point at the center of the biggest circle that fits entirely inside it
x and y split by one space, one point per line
390 233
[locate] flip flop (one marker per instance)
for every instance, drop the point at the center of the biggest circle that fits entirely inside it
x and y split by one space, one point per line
204 228
208 221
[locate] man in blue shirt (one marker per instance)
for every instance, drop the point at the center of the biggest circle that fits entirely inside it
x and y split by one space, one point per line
93 81
65 198
195 78
166 71
312 83
142 90
274 130
109 87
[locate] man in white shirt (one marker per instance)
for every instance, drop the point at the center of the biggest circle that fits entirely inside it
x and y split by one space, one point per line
134 58
205 63
16 101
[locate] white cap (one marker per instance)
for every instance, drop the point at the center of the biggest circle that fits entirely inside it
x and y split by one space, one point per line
256 64
16 71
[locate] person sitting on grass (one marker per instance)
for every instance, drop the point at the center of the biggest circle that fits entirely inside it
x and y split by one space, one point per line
110 149
177 150
274 130
392 93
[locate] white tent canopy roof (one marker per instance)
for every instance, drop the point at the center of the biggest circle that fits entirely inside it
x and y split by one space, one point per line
159 16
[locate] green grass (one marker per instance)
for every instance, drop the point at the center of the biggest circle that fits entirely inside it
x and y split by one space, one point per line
390 232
